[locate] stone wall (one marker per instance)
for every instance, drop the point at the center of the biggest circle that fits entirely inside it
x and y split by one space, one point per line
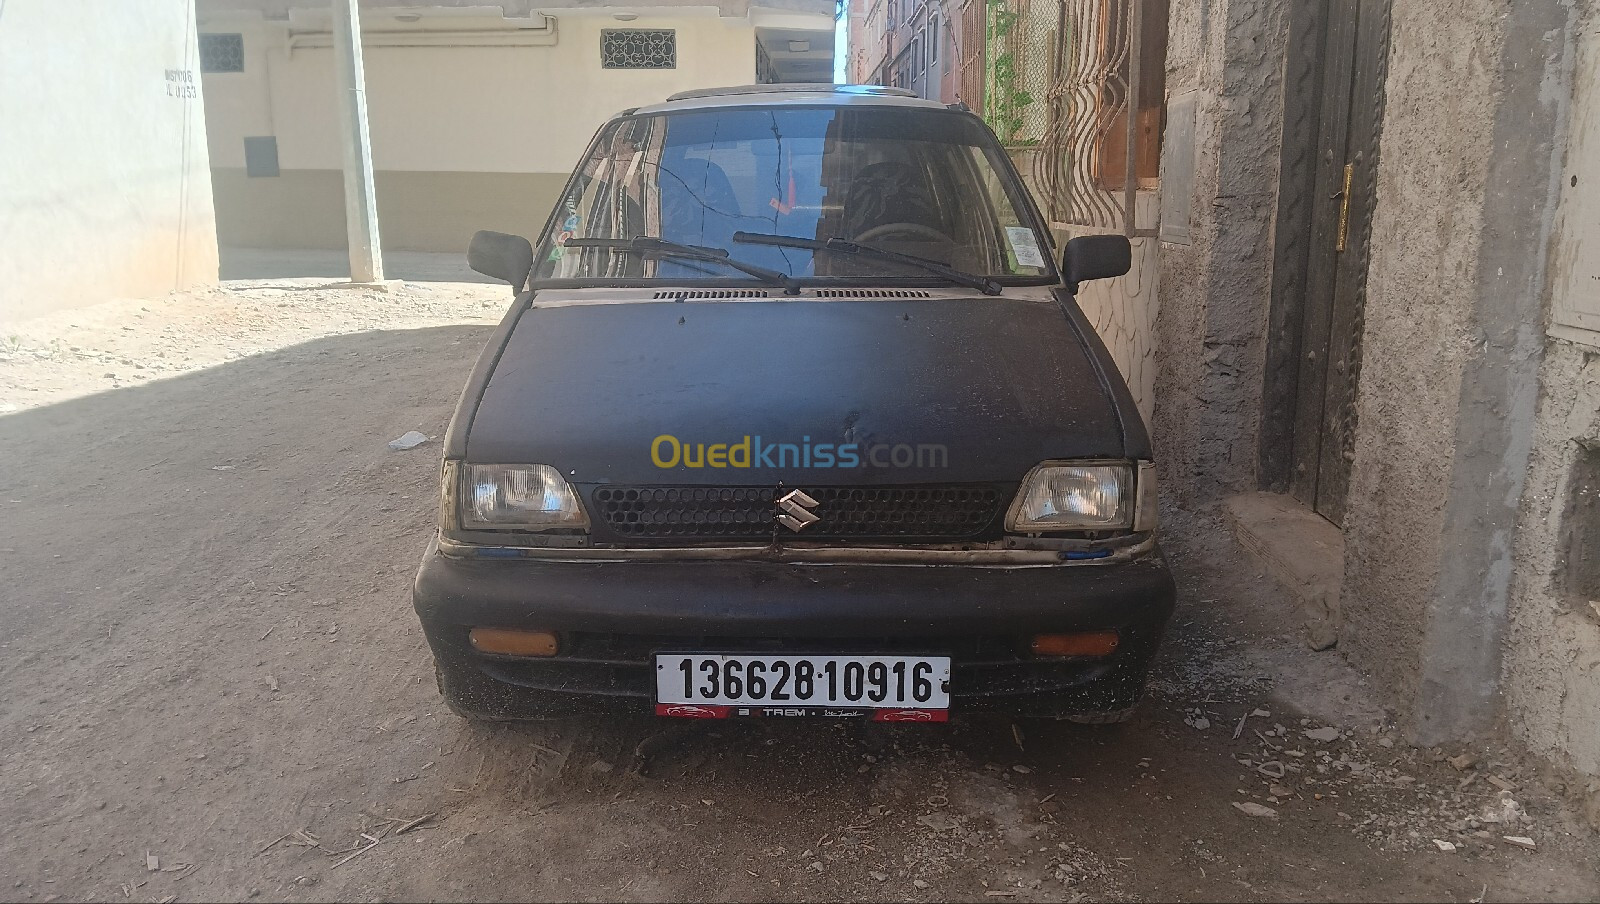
1214 292
1552 668
1124 312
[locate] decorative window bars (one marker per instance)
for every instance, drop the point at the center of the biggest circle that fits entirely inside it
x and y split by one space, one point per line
221 53
638 48
1054 79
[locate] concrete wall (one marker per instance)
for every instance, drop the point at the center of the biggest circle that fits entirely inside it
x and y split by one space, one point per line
1474 505
1552 673
1457 298
463 137
104 184
1214 292
1427 234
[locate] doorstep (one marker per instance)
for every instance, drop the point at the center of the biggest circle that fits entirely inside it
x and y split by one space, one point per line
1302 549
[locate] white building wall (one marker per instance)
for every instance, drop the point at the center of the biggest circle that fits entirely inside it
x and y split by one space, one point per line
464 108
464 136
105 186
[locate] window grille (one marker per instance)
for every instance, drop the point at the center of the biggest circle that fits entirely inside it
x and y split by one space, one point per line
971 52
1103 112
638 48
765 74
221 53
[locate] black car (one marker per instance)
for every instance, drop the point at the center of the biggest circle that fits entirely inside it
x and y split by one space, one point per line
794 414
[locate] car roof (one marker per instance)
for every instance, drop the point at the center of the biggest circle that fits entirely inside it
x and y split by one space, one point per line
789 94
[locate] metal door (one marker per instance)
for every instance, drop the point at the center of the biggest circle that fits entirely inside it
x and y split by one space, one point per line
1333 110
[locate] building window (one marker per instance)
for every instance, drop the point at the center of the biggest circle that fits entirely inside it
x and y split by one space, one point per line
933 39
1099 94
638 48
222 53
1148 107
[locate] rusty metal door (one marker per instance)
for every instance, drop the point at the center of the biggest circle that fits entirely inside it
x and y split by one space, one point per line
1333 110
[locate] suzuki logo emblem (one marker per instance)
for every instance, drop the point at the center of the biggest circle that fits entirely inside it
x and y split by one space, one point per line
794 510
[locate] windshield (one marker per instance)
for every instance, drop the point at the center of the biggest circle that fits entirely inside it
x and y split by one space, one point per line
926 183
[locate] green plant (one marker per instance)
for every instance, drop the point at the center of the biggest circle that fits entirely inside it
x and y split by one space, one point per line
1007 102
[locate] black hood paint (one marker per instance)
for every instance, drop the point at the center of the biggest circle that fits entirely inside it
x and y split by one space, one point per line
1002 384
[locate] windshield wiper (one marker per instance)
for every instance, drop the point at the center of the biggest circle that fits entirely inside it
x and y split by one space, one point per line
844 246
653 246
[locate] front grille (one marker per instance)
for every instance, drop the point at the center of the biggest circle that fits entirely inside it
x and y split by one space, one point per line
948 512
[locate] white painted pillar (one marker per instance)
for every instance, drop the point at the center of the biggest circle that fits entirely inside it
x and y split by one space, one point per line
360 193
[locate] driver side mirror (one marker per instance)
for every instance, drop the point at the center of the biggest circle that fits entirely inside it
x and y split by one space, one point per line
1095 257
505 257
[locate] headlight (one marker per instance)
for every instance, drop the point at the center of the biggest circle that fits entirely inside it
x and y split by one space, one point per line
1057 497
511 497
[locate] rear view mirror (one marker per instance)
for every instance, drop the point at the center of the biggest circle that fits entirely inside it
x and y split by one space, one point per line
1095 257
505 257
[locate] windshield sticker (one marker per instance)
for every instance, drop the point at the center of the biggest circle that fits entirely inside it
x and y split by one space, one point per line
785 207
1025 246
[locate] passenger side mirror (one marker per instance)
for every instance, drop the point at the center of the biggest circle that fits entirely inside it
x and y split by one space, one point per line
1095 257
504 257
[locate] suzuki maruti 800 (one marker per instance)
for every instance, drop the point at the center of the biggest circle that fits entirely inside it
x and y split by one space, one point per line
795 414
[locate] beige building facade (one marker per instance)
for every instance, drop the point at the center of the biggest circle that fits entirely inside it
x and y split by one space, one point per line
478 114
105 186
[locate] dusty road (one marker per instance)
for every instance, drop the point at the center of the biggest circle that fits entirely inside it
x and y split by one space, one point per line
212 685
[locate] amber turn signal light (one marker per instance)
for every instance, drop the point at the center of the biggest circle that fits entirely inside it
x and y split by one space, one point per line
513 642
1100 643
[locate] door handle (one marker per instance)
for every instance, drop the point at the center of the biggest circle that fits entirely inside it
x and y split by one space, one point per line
1344 207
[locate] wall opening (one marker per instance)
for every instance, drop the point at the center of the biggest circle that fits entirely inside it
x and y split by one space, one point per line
1581 526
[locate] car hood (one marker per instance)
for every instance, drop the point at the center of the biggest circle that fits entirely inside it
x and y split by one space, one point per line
940 390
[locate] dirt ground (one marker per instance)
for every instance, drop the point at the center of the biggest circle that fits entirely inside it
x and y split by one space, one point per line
212 685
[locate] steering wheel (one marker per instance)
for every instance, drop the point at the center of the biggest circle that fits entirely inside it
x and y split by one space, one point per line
912 229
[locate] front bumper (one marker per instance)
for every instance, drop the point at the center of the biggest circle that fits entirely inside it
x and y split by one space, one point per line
612 617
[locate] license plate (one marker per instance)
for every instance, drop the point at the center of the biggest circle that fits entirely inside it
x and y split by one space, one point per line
691 683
